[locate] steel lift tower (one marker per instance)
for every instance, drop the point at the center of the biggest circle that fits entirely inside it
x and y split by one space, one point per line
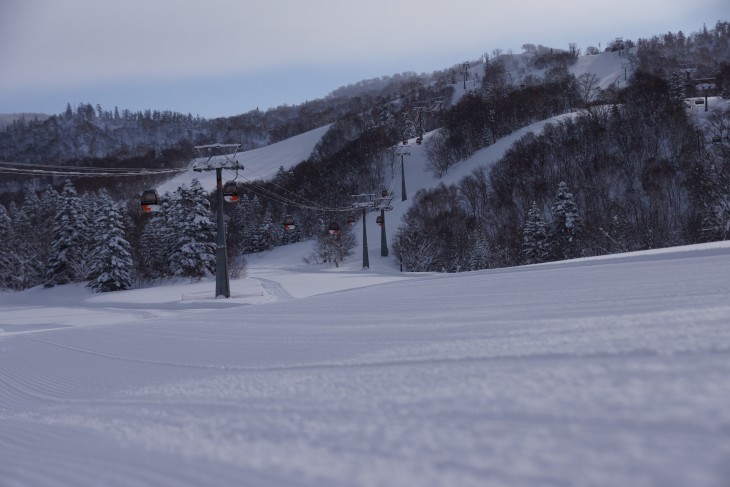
224 159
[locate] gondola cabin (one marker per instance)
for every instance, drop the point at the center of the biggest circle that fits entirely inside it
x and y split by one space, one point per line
150 201
288 223
334 228
379 221
230 192
350 220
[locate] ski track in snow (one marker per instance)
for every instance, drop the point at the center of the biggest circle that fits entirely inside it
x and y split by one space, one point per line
273 288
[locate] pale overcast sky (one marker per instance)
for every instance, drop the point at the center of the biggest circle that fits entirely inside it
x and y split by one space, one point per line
226 57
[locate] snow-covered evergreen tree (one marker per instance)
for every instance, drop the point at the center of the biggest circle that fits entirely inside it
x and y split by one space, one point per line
716 220
236 225
480 254
386 118
111 261
50 202
252 228
70 240
534 237
158 241
269 234
5 226
193 252
566 229
677 89
6 231
409 128
21 267
153 264
28 245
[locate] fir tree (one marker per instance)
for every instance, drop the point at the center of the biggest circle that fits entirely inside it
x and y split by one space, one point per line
193 254
386 117
566 229
252 227
5 227
157 242
70 233
716 222
111 260
409 128
480 255
236 235
677 89
269 234
28 244
534 237
6 267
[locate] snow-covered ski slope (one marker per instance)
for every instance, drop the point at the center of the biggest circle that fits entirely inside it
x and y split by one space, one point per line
593 372
599 372
259 164
263 163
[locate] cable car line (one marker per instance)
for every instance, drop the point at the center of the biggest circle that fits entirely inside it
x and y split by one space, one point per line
55 170
270 195
42 167
38 172
313 203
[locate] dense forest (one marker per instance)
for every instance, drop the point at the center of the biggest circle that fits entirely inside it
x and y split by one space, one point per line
631 170
628 170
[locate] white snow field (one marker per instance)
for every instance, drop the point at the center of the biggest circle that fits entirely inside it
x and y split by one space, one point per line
598 372
610 371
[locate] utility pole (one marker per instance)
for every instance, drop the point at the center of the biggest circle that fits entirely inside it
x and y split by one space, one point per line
403 196
364 202
421 108
222 285
383 239
383 204
368 202
365 258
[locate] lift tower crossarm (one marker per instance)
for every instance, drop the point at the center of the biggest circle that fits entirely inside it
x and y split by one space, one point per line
228 151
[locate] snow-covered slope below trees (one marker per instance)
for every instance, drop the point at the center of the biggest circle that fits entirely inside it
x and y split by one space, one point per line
603 372
259 164
611 68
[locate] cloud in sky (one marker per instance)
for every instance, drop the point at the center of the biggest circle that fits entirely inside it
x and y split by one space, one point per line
55 45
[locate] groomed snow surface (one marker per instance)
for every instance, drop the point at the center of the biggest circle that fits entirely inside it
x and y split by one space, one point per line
596 372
